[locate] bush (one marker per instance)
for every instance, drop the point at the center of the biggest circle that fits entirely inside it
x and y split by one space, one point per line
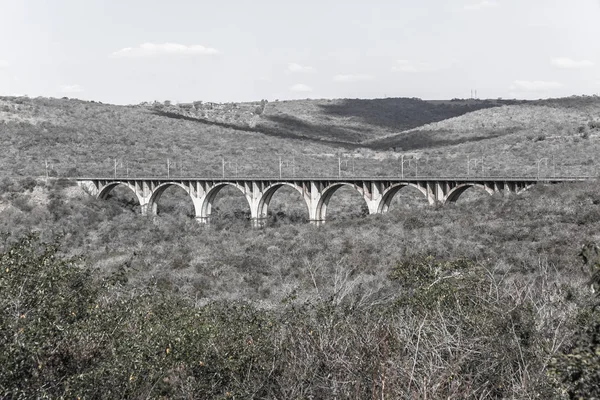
594 125
64 335
43 299
577 371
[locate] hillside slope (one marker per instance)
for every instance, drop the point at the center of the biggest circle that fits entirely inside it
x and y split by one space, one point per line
74 137
334 120
543 119
561 135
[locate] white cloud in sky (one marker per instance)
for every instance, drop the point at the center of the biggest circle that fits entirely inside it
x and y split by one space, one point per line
295 67
352 78
4 64
71 89
569 63
534 86
301 87
154 49
482 4
412 66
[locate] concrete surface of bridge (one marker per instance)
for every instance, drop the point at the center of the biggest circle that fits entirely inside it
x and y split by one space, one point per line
316 192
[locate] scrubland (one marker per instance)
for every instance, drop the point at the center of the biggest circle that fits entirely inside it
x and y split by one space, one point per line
487 298
68 137
491 297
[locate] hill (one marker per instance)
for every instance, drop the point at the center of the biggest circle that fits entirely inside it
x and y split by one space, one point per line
356 120
545 119
76 137
335 120
562 135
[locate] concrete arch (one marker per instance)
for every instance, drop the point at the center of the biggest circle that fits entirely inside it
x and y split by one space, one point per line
456 192
105 191
321 209
265 200
205 209
159 190
526 187
389 194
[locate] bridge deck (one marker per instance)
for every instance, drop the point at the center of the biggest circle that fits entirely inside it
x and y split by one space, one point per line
352 179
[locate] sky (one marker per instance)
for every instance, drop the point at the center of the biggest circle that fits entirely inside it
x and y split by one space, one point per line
130 51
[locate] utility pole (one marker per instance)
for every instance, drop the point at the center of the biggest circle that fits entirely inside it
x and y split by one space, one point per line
115 167
280 165
127 167
293 167
339 167
468 166
168 168
46 162
482 168
223 166
402 167
416 167
538 166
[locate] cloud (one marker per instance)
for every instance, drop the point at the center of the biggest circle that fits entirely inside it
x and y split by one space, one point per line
413 66
294 67
569 63
301 87
481 5
71 89
4 64
535 86
352 78
153 49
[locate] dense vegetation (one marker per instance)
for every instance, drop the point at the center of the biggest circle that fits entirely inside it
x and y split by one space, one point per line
491 297
431 302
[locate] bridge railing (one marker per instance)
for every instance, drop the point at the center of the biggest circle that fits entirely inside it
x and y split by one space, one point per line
337 178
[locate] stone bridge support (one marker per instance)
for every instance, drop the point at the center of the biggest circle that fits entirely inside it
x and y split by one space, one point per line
316 193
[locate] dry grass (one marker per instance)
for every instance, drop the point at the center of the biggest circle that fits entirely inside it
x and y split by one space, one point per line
470 300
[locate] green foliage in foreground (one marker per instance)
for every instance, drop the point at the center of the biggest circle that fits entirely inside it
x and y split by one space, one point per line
579 368
453 332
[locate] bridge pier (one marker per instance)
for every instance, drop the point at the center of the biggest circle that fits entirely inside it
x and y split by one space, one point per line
316 222
258 222
146 208
202 220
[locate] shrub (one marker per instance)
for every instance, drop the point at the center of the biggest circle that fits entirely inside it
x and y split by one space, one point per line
430 283
28 183
594 124
43 299
577 370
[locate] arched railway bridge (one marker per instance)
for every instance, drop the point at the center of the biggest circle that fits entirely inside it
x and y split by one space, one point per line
377 192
